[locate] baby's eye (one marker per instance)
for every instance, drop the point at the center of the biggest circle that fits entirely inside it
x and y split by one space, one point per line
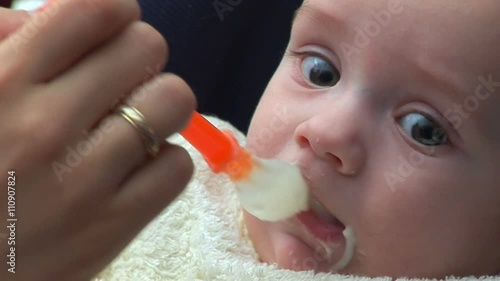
423 129
320 72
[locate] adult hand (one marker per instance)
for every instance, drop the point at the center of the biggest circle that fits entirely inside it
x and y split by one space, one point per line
80 182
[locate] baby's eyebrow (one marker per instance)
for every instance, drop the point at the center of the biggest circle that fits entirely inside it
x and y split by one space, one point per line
299 11
444 80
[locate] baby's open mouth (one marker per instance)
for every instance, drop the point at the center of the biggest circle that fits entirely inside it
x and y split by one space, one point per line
321 223
330 231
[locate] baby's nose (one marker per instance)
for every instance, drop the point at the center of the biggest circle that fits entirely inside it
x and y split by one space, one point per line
338 141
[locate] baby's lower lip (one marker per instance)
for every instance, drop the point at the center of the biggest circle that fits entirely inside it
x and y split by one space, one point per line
325 231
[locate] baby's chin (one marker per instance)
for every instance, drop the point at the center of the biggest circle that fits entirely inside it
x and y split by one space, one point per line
290 252
277 243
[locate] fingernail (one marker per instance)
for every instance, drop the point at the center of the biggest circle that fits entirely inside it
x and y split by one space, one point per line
45 6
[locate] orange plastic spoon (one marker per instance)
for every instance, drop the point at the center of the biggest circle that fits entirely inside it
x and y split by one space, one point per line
220 149
269 189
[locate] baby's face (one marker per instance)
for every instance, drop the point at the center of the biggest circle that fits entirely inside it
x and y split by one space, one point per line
390 109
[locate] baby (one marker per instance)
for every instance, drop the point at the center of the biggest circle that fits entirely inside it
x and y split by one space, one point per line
390 110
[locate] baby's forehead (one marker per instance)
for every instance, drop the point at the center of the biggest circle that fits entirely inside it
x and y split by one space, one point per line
467 31
454 40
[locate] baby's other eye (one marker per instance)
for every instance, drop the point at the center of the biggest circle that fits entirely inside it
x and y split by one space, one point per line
320 72
423 129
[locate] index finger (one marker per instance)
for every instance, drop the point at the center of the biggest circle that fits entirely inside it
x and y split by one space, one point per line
56 37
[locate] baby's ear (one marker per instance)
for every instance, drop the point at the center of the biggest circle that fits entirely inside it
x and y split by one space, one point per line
11 21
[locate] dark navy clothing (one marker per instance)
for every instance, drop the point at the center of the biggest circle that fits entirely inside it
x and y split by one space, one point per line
226 50
5 3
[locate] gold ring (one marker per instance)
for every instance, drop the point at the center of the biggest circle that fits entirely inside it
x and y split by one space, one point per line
134 117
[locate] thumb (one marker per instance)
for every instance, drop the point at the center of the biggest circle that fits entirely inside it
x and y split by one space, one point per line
11 20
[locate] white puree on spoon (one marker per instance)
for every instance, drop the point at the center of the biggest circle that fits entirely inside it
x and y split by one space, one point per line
274 191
